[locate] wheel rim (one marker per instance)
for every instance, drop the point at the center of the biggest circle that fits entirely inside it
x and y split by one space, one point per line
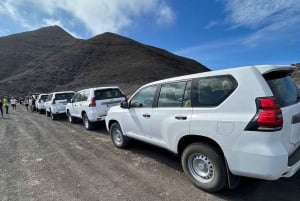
117 136
201 168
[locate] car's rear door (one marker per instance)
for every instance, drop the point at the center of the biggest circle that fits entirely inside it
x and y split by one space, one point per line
106 98
286 93
171 116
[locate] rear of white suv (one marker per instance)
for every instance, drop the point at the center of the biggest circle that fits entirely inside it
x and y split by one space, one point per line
91 105
40 103
56 103
223 124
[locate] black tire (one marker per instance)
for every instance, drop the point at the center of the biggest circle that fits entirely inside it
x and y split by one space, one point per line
117 137
86 122
204 166
70 118
53 116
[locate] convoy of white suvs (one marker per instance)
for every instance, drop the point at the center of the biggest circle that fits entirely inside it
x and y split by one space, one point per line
222 124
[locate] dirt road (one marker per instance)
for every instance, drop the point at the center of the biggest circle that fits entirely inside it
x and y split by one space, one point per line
41 159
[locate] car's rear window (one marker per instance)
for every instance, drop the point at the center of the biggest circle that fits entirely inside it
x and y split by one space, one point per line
284 88
64 96
108 94
44 97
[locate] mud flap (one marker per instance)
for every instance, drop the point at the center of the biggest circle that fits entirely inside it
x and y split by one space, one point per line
233 180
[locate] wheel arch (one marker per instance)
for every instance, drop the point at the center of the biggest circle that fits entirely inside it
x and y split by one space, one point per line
189 139
111 122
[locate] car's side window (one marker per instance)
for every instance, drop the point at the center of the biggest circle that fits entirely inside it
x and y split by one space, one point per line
75 98
171 94
212 91
49 97
144 98
187 98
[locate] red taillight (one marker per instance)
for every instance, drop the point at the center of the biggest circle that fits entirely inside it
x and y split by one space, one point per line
270 113
92 102
268 116
53 102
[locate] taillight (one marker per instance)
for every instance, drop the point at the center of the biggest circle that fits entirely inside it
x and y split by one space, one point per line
53 102
92 102
268 116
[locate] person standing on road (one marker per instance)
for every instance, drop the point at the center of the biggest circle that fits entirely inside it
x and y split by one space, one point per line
26 100
5 103
1 108
13 103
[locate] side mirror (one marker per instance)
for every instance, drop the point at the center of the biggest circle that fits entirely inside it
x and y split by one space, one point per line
124 104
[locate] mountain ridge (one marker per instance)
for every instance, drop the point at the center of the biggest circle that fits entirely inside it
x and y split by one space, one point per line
51 59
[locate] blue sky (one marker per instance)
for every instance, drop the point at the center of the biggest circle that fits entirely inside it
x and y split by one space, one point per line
217 33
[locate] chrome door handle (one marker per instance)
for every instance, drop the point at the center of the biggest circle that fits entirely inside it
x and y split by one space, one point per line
181 117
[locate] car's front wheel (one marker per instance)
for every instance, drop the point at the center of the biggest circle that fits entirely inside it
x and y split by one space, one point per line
70 118
86 122
53 116
204 166
119 140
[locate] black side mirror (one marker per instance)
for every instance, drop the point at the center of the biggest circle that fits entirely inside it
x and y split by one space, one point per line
124 104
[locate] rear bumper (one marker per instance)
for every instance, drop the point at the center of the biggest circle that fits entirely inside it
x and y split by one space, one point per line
293 164
94 116
261 156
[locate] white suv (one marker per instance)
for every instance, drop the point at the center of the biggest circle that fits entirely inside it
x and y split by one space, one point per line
91 105
56 103
40 103
223 124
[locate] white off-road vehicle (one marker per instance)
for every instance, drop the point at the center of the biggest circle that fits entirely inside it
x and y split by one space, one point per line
56 103
91 105
223 124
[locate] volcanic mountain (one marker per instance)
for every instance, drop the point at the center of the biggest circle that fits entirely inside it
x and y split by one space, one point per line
50 59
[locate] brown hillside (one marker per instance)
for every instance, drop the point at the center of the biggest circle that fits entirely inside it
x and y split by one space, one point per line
50 59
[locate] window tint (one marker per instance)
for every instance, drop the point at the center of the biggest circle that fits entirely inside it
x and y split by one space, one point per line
144 98
83 95
64 96
171 94
108 94
44 97
76 97
49 97
283 88
211 91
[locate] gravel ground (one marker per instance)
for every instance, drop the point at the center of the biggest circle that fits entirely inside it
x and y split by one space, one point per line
41 159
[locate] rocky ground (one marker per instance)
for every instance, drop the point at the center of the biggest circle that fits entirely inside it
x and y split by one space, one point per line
41 159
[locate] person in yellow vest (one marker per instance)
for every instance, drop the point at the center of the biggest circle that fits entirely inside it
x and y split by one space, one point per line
5 103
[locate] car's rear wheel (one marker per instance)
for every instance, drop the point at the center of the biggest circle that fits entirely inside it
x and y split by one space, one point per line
86 122
204 166
116 134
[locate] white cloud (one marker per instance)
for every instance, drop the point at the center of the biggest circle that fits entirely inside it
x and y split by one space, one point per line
165 15
211 24
267 21
96 16
256 13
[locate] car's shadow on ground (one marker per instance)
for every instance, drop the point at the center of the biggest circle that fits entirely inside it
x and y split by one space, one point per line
248 189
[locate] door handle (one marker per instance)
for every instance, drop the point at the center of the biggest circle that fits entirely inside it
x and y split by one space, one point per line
146 115
180 117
